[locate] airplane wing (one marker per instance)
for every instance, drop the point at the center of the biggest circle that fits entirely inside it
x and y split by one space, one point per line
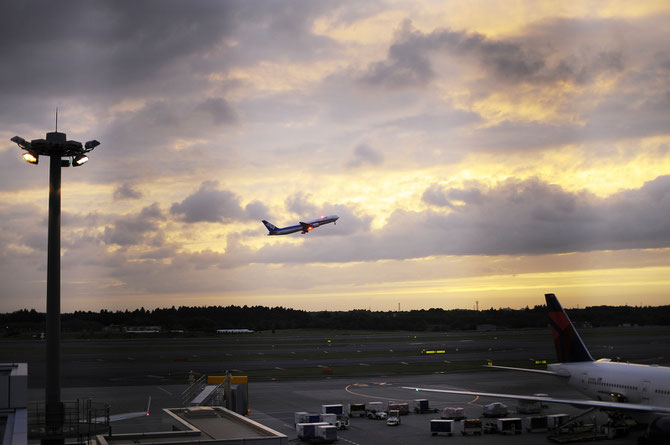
573 402
124 416
536 371
305 226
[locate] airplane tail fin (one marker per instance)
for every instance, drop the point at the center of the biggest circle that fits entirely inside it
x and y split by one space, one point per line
271 227
568 343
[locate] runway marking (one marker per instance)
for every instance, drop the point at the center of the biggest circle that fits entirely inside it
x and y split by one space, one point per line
404 363
347 440
472 402
366 395
165 390
364 364
347 389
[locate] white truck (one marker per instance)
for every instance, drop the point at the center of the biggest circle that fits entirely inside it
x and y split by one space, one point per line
376 410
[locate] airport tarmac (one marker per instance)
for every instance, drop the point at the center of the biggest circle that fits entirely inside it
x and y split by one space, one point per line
274 403
125 372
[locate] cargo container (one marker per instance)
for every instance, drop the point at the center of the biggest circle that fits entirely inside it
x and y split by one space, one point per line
332 409
556 420
528 407
536 424
326 434
401 407
307 431
442 426
455 413
422 406
357 410
471 426
329 418
304 417
511 425
376 406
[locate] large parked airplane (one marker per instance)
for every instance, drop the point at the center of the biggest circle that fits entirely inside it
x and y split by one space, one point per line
642 391
303 227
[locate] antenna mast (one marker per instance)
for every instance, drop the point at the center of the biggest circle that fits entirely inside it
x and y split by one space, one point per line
56 119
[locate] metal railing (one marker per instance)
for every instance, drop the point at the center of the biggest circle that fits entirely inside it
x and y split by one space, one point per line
193 389
82 418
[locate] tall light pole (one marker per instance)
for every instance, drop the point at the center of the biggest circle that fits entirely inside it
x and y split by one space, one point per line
62 153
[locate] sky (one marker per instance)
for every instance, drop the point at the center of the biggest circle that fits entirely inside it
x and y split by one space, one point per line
477 153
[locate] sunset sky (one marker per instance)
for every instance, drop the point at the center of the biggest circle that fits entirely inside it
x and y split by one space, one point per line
480 151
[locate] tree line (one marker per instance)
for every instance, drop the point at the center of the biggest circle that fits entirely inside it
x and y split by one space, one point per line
207 319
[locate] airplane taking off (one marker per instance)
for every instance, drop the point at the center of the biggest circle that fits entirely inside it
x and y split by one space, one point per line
302 227
641 390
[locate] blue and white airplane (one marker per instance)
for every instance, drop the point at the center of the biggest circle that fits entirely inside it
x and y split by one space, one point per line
302 227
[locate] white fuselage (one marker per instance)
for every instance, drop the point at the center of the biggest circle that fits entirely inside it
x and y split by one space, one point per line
305 227
628 382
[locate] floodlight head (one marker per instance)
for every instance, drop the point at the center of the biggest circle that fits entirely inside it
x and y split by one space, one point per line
21 142
90 145
79 160
30 158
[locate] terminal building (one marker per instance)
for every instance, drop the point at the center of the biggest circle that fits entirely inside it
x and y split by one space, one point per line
213 425
13 403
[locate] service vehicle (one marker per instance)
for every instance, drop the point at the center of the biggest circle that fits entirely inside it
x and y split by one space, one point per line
393 418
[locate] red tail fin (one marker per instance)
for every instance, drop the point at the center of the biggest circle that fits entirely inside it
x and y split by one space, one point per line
569 345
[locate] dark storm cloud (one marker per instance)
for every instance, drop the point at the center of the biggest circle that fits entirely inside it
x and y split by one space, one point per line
218 110
409 62
438 196
533 217
126 191
136 229
99 53
210 204
621 116
144 143
365 155
279 30
97 46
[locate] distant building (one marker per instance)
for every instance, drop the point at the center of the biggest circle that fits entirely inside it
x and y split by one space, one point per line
142 329
234 331
486 327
